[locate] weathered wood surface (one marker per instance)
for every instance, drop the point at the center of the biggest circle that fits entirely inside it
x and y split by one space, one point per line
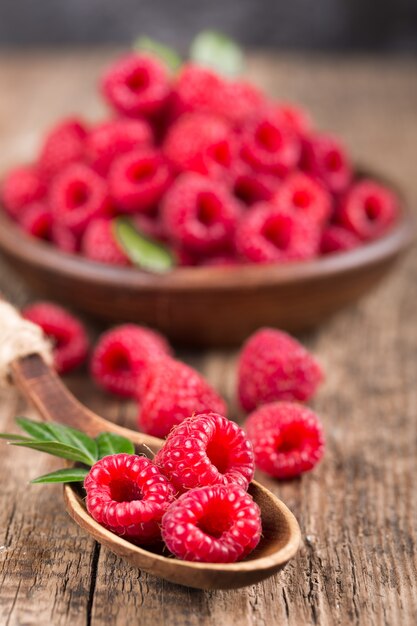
358 510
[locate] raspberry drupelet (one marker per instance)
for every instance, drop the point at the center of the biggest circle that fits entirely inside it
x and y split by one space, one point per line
128 495
217 524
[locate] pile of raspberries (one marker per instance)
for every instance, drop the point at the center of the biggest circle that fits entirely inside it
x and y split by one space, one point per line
209 166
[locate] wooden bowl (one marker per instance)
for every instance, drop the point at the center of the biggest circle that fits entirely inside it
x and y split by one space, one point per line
207 306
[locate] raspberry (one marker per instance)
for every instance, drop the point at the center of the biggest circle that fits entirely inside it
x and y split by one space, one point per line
206 449
111 139
296 117
269 145
66 332
301 194
172 391
274 366
121 356
337 239
138 180
252 187
128 495
37 221
199 214
240 101
200 143
63 145
287 439
64 239
21 187
136 85
266 234
368 210
99 243
77 196
324 158
219 524
196 89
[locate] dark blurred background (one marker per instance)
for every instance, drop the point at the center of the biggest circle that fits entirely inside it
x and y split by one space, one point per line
385 25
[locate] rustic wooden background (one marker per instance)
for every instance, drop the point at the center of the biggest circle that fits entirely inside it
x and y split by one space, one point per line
357 510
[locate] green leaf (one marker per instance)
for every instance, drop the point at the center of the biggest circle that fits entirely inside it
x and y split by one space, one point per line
218 52
14 437
143 251
110 443
67 475
56 449
168 55
49 431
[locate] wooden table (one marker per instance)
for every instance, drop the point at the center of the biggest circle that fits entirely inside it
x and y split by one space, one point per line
357 510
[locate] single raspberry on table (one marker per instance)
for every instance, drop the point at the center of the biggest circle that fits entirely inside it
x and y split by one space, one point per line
266 234
136 85
269 145
99 243
299 193
172 391
274 366
37 221
137 180
206 449
368 209
128 495
78 195
63 145
217 524
202 143
22 187
69 337
325 158
122 355
110 139
287 439
336 238
200 214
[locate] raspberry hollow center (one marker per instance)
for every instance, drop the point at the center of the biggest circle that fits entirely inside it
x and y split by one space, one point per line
140 172
208 208
218 453
301 198
124 490
216 520
291 438
117 360
278 232
269 137
333 161
78 194
372 208
138 81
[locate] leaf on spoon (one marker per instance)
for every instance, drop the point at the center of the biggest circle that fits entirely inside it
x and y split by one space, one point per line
168 55
144 252
56 449
218 52
66 475
110 443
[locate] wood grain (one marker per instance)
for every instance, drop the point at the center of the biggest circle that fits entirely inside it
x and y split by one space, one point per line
358 510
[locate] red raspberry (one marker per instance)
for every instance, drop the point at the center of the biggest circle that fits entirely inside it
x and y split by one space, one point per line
64 239
206 449
196 89
99 243
37 221
368 210
251 187
200 143
128 495
219 524
109 140
172 391
301 194
287 439
324 157
269 145
239 101
337 239
274 366
138 180
296 117
63 145
136 84
266 234
122 355
66 332
77 196
199 214
22 187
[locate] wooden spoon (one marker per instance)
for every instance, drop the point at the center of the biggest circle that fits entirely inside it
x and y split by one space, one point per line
281 533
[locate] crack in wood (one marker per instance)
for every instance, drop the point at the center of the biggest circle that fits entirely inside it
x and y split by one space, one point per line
93 581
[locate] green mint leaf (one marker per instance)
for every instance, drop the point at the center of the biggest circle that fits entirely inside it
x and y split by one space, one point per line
14 437
218 52
67 475
56 449
49 431
110 443
168 55
144 252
